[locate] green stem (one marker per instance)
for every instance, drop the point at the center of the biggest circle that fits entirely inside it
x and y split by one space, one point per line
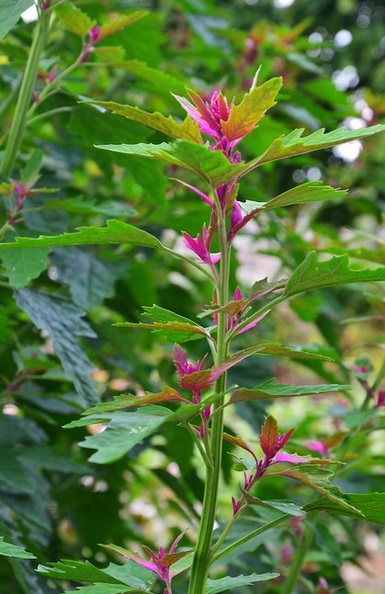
25 97
202 554
299 558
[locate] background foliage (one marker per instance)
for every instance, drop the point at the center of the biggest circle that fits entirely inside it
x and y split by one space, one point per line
59 351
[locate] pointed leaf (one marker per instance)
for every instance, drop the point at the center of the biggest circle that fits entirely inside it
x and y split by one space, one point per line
229 583
73 19
10 550
212 166
121 22
171 331
269 437
124 431
270 389
188 129
10 12
130 400
115 232
370 505
312 274
244 117
295 144
105 589
309 192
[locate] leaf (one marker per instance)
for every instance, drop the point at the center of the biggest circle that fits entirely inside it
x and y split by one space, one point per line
121 22
105 589
73 19
130 400
312 274
228 583
268 438
91 280
124 431
10 11
309 192
368 506
115 232
10 550
170 331
212 166
129 574
270 389
285 507
187 130
164 83
24 265
294 144
62 320
319 482
244 117
108 208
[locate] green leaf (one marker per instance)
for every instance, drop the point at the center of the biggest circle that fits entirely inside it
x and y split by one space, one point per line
73 19
368 506
312 274
244 117
10 550
105 589
164 83
124 431
130 400
121 22
76 205
62 320
10 11
228 583
24 265
188 129
212 166
309 192
270 389
115 232
294 144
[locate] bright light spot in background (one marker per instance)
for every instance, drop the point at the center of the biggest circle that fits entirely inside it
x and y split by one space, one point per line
354 123
30 14
313 174
315 37
283 3
346 78
343 38
348 151
362 107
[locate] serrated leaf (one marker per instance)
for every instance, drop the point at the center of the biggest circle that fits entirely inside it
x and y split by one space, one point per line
121 22
244 117
268 438
171 331
309 192
130 400
229 583
10 550
294 144
187 130
212 166
63 322
73 19
368 506
312 274
124 431
10 11
24 265
270 389
115 232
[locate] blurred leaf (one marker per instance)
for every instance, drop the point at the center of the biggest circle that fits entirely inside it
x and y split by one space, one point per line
10 550
270 389
312 274
73 19
62 321
309 192
163 82
10 11
121 22
24 265
369 506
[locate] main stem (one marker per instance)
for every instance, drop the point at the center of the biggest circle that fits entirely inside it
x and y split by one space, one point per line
25 97
202 555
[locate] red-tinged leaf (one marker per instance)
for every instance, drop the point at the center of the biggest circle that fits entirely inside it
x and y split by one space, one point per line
231 308
187 130
198 380
121 22
283 439
237 441
244 117
269 438
131 400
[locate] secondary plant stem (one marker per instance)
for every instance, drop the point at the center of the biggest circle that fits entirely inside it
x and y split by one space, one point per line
298 561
